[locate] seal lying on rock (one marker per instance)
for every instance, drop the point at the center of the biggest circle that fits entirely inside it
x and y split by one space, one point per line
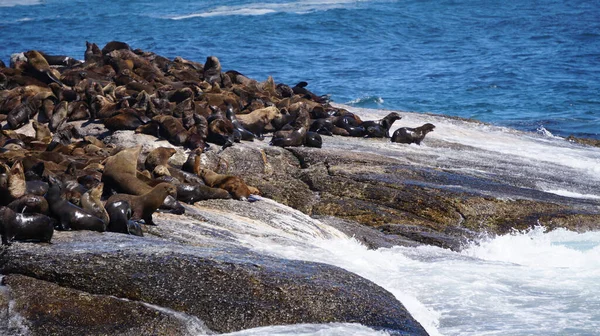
24 226
233 184
409 135
145 205
380 128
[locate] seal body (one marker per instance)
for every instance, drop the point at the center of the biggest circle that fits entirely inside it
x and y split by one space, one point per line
70 216
24 226
191 193
380 128
232 184
30 204
145 205
120 214
90 201
409 135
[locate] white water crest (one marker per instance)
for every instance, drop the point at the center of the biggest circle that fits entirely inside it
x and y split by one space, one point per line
528 283
330 329
13 3
298 7
11 322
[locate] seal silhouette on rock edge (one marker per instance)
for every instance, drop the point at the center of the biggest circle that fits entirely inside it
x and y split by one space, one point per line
409 135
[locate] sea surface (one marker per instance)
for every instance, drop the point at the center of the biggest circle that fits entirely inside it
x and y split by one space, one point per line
530 65
527 65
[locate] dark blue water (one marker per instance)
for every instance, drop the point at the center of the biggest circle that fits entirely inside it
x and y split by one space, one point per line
522 64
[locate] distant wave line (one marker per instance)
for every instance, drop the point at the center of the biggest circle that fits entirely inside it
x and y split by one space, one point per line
297 7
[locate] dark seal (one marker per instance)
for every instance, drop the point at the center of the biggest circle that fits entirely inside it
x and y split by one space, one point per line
409 135
120 215
70 216
24 226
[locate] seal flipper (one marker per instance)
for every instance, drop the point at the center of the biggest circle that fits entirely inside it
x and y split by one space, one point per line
53 78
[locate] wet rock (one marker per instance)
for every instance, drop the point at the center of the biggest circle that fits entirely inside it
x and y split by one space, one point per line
371 237
47 309
227 288
377 190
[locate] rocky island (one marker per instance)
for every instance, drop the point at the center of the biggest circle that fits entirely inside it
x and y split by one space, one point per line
253 164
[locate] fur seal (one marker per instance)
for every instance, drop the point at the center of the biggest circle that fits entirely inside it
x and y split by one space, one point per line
380 128
24 226
30 204
158 157
212 70
351 124
256 120
13 181
124 121
39 67
120 214
233 184
244 134
120 172
313 139
114 45
192 193
295 136
70 216
60 60
90 201
145 205
409 135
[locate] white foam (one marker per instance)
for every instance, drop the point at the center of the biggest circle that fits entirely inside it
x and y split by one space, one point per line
367 99
536 248
534 282
13 3
298 7
571 194
329 329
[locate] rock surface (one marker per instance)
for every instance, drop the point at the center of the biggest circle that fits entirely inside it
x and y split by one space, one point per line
229 288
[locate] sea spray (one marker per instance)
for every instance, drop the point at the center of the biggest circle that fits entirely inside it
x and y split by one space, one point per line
11 322
533 282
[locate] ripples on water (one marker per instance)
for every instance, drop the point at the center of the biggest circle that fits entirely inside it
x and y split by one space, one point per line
523 65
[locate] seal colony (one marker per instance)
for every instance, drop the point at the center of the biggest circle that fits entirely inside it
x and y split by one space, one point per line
61 179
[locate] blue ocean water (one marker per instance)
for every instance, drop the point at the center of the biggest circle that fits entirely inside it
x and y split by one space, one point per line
522 64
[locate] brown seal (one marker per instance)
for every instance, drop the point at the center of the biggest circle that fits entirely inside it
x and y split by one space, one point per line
158 157
42 132
120 214
120 172
30 204
12 182
409 135
124 121
90 201
24 226
145 205
256 120
233 184
39 67
172 129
